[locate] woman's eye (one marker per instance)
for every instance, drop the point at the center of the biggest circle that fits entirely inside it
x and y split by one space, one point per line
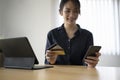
67 11
76 11
73 11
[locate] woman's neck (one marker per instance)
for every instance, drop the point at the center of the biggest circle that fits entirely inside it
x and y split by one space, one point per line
70 27
70 30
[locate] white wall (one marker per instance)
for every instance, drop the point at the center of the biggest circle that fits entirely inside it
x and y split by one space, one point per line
109 60
31 18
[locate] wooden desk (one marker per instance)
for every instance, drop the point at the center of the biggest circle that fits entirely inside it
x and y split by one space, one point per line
62 73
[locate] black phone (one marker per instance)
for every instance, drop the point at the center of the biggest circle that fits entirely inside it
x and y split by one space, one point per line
92 50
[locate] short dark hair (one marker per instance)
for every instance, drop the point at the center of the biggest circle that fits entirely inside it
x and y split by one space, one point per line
75 2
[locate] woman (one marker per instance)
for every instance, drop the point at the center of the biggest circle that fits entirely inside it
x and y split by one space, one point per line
71 37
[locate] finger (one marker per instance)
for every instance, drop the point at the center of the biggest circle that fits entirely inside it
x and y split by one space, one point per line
98 54
93 58
90 61
49 53
48 59
51 57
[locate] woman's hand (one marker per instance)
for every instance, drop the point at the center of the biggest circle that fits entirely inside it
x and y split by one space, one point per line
51 56
92 61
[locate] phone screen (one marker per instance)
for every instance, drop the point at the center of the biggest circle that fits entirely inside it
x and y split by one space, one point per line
92 50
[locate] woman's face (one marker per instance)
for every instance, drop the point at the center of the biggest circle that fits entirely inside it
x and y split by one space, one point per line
70 13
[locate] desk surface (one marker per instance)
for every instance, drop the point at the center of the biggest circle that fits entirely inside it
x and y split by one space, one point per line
62 73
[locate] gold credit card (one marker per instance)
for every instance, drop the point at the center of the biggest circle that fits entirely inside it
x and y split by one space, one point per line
59 52
57 49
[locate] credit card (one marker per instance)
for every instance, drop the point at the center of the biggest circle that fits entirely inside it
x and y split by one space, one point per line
57 49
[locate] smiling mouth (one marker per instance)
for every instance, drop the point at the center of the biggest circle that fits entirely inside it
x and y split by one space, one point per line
71 20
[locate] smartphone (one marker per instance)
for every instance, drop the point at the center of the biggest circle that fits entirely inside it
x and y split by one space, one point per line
92 50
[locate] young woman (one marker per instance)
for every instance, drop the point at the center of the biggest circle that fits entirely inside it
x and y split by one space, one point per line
71 37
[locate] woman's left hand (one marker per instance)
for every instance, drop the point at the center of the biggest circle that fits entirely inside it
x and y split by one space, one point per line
92 61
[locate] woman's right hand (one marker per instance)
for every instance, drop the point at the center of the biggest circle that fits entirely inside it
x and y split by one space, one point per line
51 56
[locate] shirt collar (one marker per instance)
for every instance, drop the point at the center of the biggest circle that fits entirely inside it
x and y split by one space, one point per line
77 32
62 27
